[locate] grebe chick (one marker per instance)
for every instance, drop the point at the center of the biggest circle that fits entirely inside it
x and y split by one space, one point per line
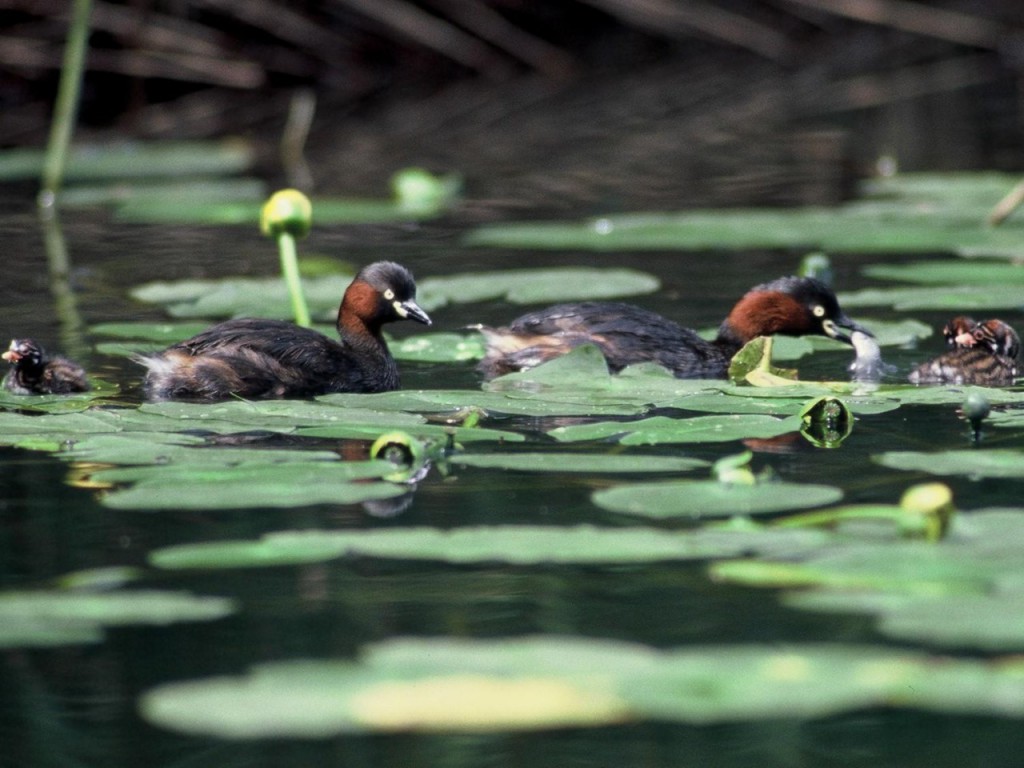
982 353
256 358
37 373
627 334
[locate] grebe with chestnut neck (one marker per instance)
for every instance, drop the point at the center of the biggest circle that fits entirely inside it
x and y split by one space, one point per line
627 334
255 358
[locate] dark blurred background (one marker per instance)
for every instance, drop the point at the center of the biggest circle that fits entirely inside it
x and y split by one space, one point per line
608 104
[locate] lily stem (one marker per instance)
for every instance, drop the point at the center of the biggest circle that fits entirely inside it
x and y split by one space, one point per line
290 268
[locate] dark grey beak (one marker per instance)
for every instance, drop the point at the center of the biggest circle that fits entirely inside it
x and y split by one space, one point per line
842 327
410 310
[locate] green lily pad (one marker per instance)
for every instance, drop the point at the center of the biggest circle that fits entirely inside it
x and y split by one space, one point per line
697 499
248 296
46 618
982 622
697 429
924 213
976 272
953 298
162 333
265 414
964 591
438 348
519 544
577 462
253 484
131 160
268 296
326 210
454 401
985 462
541 285
195 191
531 683
79 401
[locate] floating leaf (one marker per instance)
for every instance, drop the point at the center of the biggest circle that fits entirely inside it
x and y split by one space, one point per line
977 272
536 682
577 462
455 401
248 296
697 429
987 462
438 348
252 485
527 286
57 404
519 544
127 160
162 333
697 499
922 213
44 618
953 298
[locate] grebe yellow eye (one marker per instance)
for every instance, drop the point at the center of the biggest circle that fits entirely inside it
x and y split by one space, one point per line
388 294
818 310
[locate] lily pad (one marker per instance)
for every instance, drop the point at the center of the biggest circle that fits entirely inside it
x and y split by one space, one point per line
697 429
992 623
530 683
923 213
161 333
976 272
541 285
577 462
249 485
964 591
268 296
79 401
986 462
44 618
127 160
952 298
697 499
438 348
518 544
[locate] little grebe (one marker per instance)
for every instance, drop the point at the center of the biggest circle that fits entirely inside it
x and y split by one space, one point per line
256 358
626 334
37 373
982 353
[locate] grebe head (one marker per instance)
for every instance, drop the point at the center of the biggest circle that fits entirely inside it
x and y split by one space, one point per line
959 331
383 292
998 337
24 352
792 306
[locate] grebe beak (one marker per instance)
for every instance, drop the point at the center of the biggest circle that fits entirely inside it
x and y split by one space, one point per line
410 310
842 327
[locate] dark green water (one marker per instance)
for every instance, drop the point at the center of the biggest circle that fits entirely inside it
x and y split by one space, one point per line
77 706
